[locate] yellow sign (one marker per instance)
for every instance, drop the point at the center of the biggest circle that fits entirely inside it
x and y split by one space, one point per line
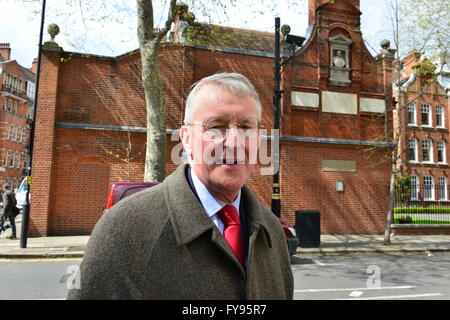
29 180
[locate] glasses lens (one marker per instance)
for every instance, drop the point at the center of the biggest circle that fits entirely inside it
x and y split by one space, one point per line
217 128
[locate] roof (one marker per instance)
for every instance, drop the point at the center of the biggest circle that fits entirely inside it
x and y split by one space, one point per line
227 37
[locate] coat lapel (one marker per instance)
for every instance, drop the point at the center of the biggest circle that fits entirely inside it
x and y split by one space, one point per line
187 215
189 220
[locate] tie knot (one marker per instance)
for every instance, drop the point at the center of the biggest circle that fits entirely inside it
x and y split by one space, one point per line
229 215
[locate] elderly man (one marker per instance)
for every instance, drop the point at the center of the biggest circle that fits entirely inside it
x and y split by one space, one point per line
201 234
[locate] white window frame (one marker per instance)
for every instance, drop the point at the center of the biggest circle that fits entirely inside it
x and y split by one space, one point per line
430 152
441 148
12 160
413 145
440 114
5 103
412 110
443 194
17 159
15 133
428 192
8 132
425 108
414 188
10 105
5 159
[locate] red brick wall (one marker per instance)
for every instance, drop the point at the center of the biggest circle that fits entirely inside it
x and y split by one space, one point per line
73 172
360 209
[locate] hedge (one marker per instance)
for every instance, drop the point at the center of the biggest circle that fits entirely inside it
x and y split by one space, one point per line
421 210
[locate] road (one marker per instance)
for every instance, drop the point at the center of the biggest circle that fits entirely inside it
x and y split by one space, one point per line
36 279
372 277
375 276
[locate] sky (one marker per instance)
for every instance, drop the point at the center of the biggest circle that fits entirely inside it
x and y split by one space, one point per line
104 30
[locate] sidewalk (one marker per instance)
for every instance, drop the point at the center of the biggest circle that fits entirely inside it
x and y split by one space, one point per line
73 246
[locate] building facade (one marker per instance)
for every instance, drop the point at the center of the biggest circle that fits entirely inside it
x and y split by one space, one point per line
424 126
16 94
335 118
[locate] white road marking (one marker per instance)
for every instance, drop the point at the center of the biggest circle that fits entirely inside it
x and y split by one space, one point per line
328 264
408 296
353 289
356 294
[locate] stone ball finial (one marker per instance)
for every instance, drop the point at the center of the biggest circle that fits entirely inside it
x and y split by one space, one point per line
53 30
285 29
385 44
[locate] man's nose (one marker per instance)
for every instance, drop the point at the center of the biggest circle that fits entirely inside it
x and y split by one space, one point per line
232 138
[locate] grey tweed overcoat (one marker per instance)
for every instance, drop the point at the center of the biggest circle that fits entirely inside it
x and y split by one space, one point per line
160 244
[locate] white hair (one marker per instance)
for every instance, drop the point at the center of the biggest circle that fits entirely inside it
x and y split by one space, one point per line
235 83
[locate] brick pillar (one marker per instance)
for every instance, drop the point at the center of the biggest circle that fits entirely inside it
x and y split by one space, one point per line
43 142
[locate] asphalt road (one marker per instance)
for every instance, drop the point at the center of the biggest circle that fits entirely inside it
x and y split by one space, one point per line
373 277
36 279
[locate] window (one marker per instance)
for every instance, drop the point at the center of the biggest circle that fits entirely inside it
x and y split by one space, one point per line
5 103
440 116
428 184
426 115
15 131
411 113
18 160
12 159
427 151
5 160
441 151
443 188
412 150
414 188
16 106
8 132
10 105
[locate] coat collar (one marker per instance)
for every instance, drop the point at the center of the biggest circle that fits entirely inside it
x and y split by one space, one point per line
188 217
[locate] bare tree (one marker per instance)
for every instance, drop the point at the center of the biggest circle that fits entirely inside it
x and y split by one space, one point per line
153 84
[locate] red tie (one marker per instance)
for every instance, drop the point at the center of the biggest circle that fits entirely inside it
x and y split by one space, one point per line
232 231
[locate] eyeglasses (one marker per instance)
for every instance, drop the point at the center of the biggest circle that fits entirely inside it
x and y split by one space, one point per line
218 128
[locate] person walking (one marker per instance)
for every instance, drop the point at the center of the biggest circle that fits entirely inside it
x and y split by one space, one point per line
9 204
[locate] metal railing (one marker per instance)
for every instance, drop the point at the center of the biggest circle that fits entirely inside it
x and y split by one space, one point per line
14 91
422 204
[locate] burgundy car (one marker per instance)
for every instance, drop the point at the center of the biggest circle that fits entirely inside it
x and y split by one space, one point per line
120 190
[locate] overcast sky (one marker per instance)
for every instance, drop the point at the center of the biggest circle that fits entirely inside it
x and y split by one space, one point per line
101 34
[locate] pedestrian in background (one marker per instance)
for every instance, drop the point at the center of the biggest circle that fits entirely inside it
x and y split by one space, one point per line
9 210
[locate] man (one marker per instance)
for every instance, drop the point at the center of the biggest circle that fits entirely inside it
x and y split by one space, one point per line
201 234
9 203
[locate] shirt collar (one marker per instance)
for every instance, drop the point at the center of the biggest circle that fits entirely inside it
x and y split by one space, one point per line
211 204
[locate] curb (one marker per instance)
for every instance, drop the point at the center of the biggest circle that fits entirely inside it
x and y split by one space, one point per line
334 251
42 255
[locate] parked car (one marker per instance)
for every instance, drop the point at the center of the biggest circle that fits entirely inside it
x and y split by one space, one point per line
21 194
120 190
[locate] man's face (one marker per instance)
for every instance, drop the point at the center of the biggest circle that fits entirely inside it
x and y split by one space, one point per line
223 165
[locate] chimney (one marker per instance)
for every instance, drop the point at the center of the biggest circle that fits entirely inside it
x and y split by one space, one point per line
314 4
5 51
34 66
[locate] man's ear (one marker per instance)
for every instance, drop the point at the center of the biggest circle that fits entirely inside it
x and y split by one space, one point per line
186 140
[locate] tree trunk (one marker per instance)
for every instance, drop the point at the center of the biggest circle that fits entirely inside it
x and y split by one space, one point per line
387 230
153 84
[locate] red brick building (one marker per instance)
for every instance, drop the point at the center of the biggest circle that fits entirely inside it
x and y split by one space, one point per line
333 124
423 107
16 98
